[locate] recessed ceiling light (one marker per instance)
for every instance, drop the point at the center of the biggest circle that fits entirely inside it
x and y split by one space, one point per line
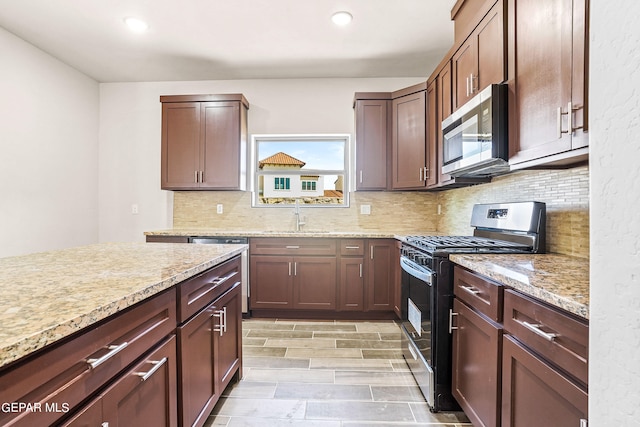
136 25
341 18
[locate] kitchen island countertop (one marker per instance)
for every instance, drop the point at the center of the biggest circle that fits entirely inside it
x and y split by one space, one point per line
560 280
48 296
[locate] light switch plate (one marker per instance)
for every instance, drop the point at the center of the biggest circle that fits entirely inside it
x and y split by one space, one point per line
219 208
365 209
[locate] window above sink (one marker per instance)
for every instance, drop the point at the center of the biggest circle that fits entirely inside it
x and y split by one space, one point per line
310 168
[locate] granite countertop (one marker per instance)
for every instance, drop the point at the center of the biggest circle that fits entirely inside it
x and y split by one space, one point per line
362 234
50 295
560 280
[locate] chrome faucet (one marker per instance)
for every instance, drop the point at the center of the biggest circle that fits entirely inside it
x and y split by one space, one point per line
296 212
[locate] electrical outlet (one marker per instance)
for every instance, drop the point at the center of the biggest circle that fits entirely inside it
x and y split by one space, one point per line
365 209
134 209
219 208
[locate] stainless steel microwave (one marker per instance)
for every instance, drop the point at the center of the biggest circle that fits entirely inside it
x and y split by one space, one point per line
475 142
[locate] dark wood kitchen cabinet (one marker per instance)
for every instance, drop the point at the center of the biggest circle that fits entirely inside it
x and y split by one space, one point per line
545 365
381 266
320 276
68 373
517 361
373 133
204 142
209 339
144 395
480 60
293 273
351 284
408 138
547 78
476 347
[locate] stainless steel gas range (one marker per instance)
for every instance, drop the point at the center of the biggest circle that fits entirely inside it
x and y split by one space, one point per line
427 287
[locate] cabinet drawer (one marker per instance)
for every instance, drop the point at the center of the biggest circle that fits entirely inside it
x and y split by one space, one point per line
292 246
196 293
557 336
66 374
480 293
352 247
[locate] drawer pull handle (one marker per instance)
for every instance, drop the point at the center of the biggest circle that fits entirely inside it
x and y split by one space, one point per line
470 290
292 247
114 349
220 280
157 364
222 315
352 247
451 327
536 330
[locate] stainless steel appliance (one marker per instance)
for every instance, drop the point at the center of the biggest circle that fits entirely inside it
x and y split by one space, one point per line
475 142
244 262
427 287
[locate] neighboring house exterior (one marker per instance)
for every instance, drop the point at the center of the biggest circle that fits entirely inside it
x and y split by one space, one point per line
287 184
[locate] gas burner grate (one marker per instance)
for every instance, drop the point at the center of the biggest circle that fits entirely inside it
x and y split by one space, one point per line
464 243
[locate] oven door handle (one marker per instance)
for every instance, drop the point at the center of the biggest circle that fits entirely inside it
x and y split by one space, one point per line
410 267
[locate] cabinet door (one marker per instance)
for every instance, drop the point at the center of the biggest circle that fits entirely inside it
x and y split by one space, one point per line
464 65
381 267
351 284
180 145
534 394
490 46
409 141
271 281
476 366
197 370
220 148
540 78
146 394
228 338
314 285
372 128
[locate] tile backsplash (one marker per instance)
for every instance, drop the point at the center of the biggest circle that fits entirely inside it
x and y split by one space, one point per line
566 193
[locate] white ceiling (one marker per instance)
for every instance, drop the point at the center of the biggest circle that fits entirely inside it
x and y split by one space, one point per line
236 39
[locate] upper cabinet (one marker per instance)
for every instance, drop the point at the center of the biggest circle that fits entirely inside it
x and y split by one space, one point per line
373 130
547 77
204 142
408 139
479 61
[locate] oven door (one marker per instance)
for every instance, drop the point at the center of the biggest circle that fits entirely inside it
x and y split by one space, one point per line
417 321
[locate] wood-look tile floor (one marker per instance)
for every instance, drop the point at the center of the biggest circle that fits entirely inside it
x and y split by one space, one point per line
325 374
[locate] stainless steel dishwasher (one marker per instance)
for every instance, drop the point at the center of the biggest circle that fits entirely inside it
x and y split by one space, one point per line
244 261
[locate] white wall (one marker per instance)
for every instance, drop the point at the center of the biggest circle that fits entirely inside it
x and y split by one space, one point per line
48 151
130 122
614 368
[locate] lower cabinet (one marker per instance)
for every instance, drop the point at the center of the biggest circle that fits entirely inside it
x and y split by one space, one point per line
211 353
144 395
323 275
476 347
304 282
535 393
517 362
136 368
476 366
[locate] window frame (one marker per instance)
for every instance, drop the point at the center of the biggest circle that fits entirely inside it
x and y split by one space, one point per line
256 173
